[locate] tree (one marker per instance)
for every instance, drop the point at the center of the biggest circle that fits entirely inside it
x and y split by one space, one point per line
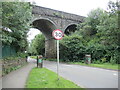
72 48
99 36
37 45
109 32
93 20
16 16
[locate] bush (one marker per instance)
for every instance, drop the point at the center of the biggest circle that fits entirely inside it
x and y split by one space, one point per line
115 57
22 54
71 48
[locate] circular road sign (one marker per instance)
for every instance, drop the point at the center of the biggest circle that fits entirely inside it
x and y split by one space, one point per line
57 34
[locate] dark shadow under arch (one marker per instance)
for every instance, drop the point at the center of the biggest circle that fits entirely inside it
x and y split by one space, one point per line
45 26
70 29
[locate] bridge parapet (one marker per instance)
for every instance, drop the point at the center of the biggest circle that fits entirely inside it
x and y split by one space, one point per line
55 13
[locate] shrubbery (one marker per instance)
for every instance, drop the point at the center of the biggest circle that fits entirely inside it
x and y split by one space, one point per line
72 48
98 36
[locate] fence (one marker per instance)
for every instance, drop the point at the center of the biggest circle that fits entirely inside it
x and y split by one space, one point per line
8 51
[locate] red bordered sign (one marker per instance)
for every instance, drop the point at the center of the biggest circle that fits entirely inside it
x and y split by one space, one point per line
57 34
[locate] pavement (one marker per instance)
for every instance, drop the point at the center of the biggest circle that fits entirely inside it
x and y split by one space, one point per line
17 78
86 77
0 74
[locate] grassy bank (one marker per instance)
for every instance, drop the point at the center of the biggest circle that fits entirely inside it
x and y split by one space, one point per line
104 65
44 78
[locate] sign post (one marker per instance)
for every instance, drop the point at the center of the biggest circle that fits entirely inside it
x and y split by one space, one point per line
57 34
58 58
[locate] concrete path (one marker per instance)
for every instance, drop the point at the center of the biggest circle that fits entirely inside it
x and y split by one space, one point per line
84 76
17 79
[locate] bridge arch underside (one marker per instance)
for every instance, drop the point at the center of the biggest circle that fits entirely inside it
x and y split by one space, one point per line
70 29
46 27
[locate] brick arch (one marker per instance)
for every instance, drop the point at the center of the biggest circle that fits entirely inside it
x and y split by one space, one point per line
46 26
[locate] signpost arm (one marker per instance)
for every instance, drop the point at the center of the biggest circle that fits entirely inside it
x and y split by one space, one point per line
58 58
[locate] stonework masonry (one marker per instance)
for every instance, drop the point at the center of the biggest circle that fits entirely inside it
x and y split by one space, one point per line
47 20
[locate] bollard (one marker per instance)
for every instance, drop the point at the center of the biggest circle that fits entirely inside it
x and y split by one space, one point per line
37 61
88 59
40 61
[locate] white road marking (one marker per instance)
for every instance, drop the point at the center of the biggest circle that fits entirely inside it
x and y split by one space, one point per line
68 65
115 74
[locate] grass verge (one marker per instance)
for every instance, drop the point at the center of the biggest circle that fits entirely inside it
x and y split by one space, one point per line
104 65
34 57
44 78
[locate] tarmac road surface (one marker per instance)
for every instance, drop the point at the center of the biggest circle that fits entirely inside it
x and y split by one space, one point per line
88 77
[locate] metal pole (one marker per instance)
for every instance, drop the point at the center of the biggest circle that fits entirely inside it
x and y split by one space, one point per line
58 58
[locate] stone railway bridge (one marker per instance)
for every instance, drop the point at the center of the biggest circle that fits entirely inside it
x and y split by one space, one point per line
47 20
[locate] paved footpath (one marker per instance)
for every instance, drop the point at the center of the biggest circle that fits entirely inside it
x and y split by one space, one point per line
17 79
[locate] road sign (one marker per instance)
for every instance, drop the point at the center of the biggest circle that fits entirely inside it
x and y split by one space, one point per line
57 34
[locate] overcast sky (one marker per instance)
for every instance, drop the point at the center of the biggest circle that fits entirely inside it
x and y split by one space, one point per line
79 7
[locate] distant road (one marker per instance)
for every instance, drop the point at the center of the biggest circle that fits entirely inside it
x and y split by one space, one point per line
88 77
